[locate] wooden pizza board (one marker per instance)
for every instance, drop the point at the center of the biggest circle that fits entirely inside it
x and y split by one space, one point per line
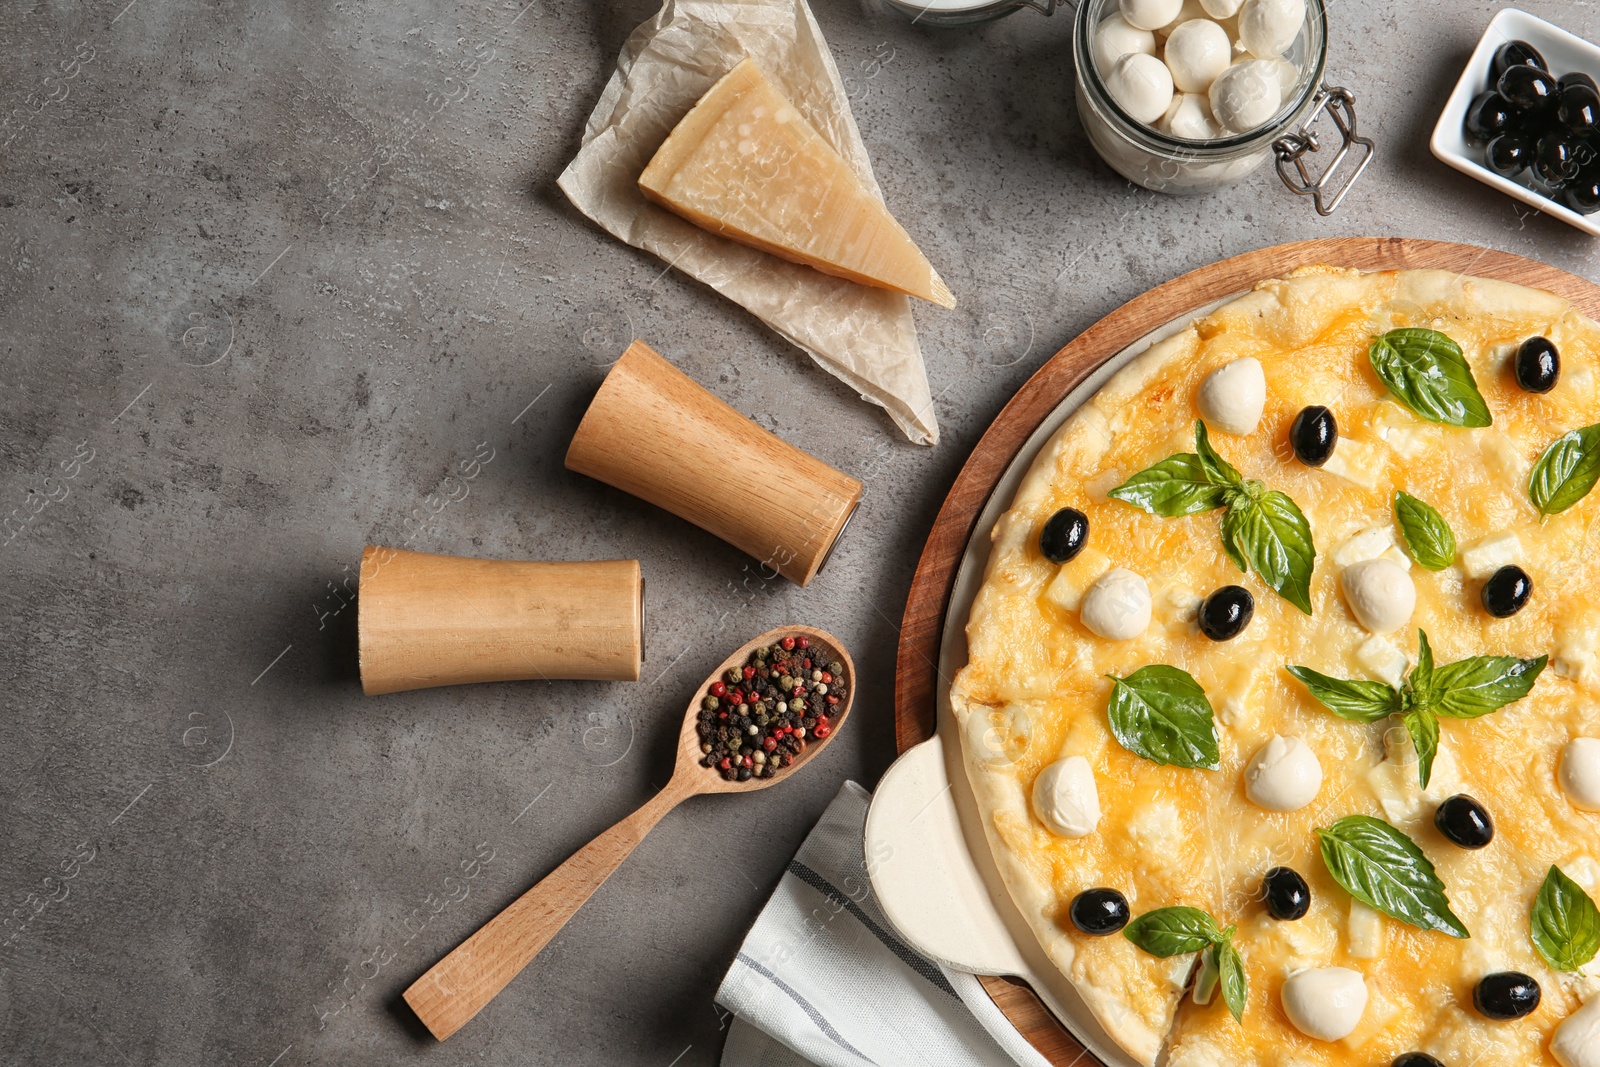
916 668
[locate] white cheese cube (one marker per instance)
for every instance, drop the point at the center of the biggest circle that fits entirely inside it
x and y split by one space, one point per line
1483 557
1575 662
1364 933
1400 430
1497 359
1102 484
1503 458
1585 871
1156 830
1383 660
1178 970
1370 543
1235 711
1573 656
1177 605
1408 442
1394 783
1074 578
1398 555
1356 461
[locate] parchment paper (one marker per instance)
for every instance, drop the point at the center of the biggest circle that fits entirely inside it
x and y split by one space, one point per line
863 335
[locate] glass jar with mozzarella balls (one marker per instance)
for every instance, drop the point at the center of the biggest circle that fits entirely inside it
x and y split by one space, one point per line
1189 96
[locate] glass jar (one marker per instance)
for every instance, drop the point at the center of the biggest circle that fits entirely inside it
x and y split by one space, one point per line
965 12
1164 163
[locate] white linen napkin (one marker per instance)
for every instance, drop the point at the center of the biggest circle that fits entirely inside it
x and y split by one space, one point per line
822 979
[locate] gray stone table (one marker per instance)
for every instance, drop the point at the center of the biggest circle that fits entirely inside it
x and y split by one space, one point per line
268 273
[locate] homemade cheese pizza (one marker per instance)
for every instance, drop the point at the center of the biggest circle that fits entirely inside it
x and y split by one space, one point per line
1281 702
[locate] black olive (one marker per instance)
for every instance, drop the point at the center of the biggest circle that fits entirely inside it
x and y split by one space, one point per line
1509 154
1489 116
1538 365
1515 53
1225 613
1577 77
1288 896
1579 108
1313 434
1555 158
1506 995
1464 821
1099 911
1415 1059
1506 591
1582 194
1064 535
1529 89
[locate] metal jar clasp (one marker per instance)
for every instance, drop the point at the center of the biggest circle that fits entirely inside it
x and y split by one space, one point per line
1292 149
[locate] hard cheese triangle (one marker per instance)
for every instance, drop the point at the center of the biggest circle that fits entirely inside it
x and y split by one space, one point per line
744 164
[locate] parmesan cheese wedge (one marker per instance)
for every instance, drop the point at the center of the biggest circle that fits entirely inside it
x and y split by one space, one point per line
746 165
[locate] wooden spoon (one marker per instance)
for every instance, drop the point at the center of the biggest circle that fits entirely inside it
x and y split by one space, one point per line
458 986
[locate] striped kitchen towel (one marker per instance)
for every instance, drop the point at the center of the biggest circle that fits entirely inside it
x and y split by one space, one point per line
822 979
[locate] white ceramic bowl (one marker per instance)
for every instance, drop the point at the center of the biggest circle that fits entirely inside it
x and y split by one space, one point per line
1565 52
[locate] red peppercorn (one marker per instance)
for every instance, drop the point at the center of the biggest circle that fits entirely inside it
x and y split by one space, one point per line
723 715
827 677
770 743
725 763
748 761
806 663
823 729
833 700
749 672
787 643
718 689
803 641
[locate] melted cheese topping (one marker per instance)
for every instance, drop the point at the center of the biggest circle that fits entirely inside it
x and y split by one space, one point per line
1176 836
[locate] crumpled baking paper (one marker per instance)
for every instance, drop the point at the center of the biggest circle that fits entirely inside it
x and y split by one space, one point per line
862 334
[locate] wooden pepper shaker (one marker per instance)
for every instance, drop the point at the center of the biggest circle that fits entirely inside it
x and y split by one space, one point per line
426 620
652 431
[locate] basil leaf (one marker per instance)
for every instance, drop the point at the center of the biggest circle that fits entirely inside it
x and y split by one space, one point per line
1384 869
1566 471
1178 485
1472 687
1420 681
1354 699
1423 726
1426 371
1428 537
1274 536
1172 931
1161 713
1230 975
1233 550
1217 469
1565 924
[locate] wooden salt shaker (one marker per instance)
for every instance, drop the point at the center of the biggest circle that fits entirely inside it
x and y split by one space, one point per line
426 620
652 431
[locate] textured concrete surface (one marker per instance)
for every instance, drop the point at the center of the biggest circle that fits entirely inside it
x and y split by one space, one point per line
269 273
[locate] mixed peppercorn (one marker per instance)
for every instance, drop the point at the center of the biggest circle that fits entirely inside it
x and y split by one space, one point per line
755 719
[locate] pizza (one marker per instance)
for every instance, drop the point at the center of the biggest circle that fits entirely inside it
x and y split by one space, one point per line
1282 705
